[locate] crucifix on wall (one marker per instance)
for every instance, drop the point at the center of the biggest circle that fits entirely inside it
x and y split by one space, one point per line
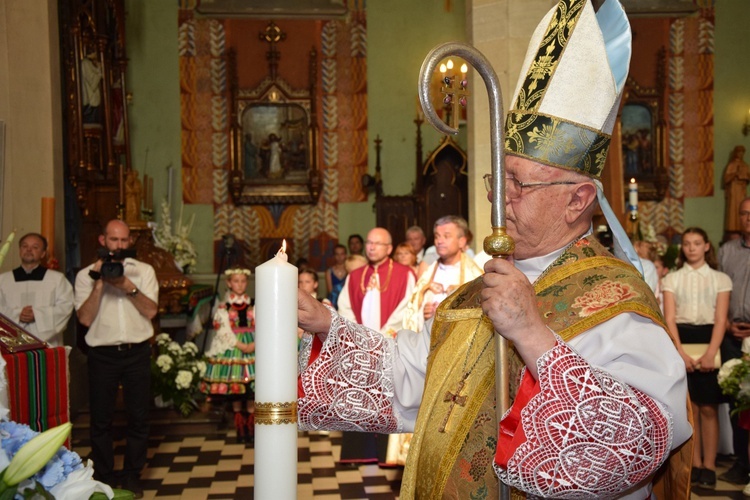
273 35
456 93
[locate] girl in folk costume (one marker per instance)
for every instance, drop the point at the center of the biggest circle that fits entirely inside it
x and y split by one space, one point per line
696 302
231 357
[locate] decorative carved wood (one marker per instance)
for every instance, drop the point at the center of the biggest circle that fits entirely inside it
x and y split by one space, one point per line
95 111
173 284
441 189
290 185
97 142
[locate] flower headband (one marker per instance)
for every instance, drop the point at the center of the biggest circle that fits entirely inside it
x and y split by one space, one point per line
237 270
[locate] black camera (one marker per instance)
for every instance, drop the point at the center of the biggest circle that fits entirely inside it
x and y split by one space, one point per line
112 261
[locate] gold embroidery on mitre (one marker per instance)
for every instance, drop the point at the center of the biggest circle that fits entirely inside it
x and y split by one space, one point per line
550 50
556 142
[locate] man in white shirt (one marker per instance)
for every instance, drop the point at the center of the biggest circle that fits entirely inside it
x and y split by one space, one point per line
416 239
117 300
37 298
441 278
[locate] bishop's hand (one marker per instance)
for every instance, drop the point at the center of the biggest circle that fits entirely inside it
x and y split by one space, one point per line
509 301
312 316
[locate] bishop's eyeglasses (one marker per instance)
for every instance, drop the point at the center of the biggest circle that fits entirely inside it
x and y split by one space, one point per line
513 186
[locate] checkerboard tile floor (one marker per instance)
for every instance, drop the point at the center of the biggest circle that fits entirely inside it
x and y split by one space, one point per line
214 466
195 465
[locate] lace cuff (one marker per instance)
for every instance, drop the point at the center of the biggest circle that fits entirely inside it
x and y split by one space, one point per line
580 432
349 385
225 338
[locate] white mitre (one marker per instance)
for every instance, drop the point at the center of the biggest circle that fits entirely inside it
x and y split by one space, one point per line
568 95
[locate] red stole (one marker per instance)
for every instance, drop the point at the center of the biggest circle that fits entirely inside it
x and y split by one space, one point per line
392 289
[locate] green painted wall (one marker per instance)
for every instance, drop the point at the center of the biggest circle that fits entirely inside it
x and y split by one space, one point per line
155 134
399 36
731 104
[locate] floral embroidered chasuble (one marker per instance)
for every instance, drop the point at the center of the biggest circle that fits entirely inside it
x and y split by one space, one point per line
584 287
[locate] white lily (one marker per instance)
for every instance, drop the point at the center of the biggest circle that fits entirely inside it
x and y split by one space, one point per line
34 455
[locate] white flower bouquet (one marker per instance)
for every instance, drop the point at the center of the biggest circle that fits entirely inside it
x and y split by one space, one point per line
734 380
177 243
176 373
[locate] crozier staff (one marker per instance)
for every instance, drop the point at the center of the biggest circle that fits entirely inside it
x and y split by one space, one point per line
577 316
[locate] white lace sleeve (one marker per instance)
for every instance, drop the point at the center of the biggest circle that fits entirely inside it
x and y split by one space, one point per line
225 337
349 386
584 433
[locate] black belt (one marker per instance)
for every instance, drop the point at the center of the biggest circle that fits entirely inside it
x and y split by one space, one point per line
120 347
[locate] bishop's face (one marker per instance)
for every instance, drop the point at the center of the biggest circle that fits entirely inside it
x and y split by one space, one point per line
536 217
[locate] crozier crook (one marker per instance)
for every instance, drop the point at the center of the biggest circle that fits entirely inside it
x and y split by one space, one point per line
499 243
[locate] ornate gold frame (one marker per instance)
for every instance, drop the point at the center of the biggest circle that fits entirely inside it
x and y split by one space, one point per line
275 95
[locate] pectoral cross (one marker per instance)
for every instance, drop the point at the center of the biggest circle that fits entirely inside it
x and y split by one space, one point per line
453 399
455 98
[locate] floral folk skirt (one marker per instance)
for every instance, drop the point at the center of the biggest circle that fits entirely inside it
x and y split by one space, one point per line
233 371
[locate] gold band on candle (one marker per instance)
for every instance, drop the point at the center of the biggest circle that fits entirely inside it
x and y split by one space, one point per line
275 413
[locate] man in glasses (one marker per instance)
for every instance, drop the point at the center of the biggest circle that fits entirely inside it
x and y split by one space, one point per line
598 391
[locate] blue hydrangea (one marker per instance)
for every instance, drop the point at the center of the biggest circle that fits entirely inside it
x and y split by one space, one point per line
14 435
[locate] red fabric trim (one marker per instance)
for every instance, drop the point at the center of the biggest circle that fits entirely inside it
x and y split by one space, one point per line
390 298
355 293
38 387
511 435
317 346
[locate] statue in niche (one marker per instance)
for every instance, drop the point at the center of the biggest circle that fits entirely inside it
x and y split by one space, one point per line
736 179
91 92
133 195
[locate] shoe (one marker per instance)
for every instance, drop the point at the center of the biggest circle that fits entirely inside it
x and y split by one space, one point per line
133 484
746 490
737 474
707 479
695 475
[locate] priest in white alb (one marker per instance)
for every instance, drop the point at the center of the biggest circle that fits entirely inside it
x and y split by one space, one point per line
38 299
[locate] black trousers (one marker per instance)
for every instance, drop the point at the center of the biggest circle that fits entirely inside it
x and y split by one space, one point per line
110 367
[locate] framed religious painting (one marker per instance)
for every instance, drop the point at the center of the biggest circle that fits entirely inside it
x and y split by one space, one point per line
275 138
642 138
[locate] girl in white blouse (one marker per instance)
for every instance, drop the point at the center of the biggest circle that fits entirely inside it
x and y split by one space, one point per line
696 301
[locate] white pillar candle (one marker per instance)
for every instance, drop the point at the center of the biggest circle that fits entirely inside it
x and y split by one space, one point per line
276 379
633 195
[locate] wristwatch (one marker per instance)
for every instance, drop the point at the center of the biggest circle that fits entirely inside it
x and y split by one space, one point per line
132 293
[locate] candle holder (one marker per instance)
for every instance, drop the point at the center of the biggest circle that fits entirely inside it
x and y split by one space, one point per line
633 215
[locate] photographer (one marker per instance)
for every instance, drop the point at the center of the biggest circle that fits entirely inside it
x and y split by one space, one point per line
116 297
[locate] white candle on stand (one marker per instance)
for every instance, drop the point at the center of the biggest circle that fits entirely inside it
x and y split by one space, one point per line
633 195
276 379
